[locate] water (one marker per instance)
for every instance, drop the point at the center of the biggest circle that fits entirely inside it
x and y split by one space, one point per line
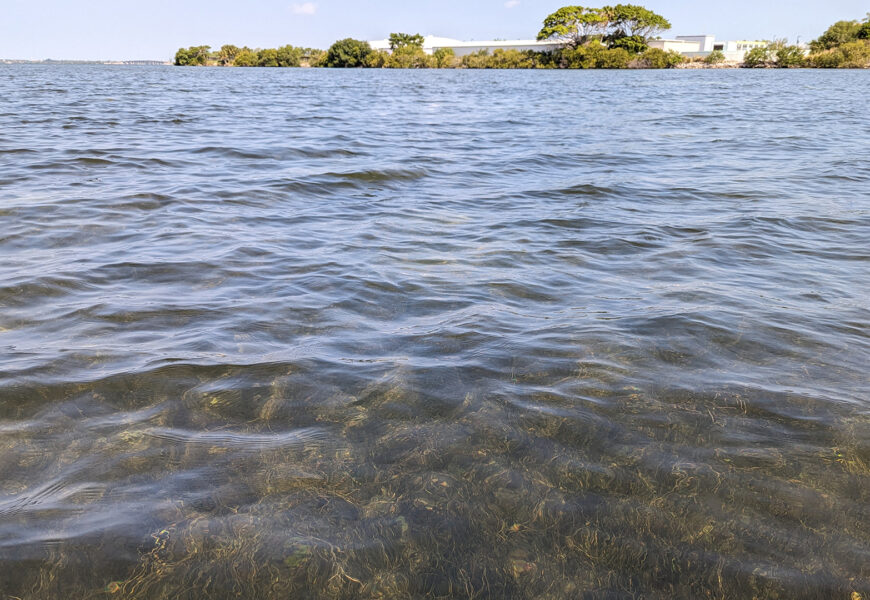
321 334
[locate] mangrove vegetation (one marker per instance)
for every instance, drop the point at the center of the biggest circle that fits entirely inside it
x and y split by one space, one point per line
611 37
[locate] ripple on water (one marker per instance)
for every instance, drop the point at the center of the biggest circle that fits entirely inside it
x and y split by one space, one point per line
263 338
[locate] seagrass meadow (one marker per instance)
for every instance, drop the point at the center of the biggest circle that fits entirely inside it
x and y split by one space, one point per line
325 334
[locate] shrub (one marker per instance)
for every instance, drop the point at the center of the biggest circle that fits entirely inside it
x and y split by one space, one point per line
757 58
656 58
510 59
246 58
788 57
476 60
377 59
407 57
582 57
444 58
856 55
715 57
831 59
347 54
614 58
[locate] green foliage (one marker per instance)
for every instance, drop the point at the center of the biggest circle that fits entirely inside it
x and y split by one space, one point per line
656 58
401 40
377 59
267 58
830 59
629 20
573 25
788 57
758 58
595 55
841 32
856 54
227 54
715 57
614 58
289 56
626 26
347 53
195 56
312 57
408 57
511 59
246 58
864 31
475 60
634 44
444 58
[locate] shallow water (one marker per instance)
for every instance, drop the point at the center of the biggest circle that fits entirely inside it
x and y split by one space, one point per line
321 334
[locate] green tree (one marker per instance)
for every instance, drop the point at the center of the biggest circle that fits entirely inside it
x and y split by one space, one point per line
444 58
573 25
841 32
246 58
629 20
864 31
227 54
267 58
347 53
635 44
856 54
715 57
476 60
788 57
758 58
195 56
510 59
656 58
830 59
289 56
586 56
400 40
408 57
377 59
614 58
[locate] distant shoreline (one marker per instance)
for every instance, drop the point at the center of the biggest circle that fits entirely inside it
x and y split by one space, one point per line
50 61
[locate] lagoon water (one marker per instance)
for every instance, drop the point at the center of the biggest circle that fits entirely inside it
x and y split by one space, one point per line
325 334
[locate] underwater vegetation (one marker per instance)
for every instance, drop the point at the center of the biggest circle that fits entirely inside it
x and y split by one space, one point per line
396 492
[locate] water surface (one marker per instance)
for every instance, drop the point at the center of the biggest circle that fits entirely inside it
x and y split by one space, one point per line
322 334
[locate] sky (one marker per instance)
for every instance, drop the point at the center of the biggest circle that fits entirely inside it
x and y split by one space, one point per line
154 30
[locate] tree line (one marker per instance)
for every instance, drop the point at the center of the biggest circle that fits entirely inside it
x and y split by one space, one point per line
234 56
611 37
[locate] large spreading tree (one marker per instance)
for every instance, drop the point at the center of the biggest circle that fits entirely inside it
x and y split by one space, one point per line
573 25
622 26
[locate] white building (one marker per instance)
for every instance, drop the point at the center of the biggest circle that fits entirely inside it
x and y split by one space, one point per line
432 43
699 46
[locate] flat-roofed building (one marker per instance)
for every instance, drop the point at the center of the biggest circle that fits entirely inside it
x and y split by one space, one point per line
432 43
699 46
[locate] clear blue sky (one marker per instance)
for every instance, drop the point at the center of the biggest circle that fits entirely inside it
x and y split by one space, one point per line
123 29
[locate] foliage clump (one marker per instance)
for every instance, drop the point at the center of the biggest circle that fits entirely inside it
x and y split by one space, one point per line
626 26
656 58
776 54
844 45
347 54
715 58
